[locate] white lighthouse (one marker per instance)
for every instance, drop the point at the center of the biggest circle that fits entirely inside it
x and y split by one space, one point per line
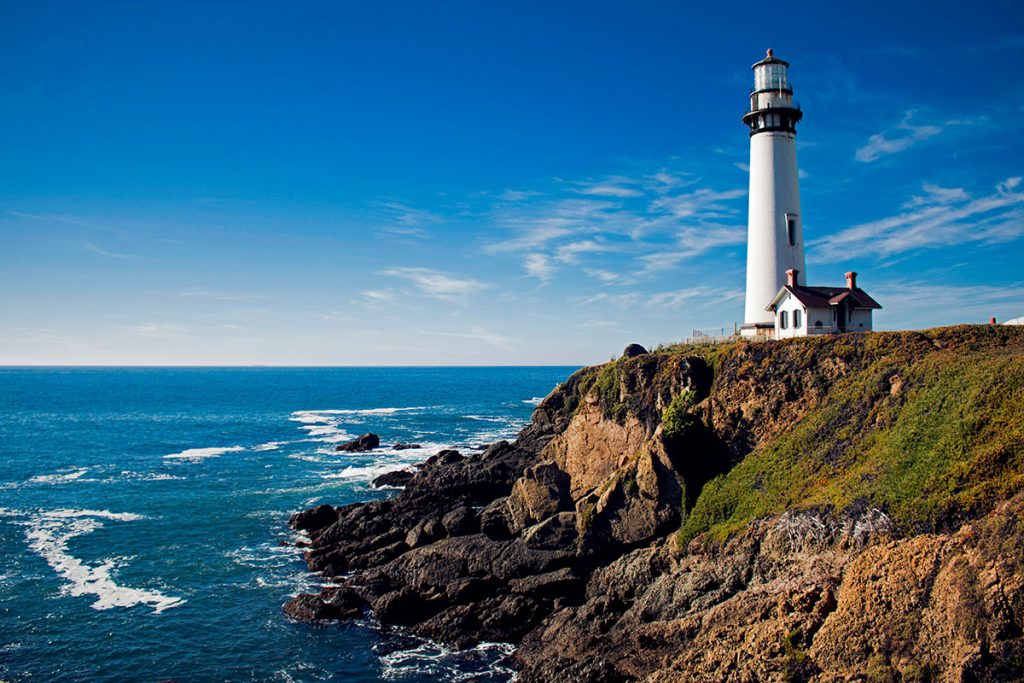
775 241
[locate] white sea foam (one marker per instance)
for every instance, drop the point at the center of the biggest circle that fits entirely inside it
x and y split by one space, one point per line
535 401
430 659
61 477
303 415
270 446
485 418
201 453
48 534
368 472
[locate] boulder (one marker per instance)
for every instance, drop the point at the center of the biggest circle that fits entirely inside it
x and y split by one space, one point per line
366 442
405 446
426 531
461 521
331 604
399 478
403 607
314 519
633 350
557 532
494 520
542 491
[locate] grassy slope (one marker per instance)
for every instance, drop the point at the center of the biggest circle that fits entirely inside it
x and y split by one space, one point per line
947 445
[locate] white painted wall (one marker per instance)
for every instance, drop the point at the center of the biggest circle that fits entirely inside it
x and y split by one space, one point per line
860 320
774 193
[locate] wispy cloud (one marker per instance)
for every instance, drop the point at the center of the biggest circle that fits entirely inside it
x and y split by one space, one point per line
902 137
660 220
435 284
617 186
50 218
538 266
103 252
941 217
405 220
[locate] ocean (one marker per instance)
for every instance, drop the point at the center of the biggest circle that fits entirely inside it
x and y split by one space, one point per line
143 515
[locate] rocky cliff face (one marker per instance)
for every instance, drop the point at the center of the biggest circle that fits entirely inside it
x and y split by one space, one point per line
832 509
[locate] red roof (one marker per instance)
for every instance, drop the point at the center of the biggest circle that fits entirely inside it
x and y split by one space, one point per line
823 297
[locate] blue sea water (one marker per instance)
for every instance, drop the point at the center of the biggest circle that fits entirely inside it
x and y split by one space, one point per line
143 515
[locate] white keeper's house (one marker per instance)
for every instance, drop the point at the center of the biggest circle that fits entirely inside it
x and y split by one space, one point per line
777 305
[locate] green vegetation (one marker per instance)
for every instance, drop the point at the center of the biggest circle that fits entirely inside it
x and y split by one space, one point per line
929 428
676 420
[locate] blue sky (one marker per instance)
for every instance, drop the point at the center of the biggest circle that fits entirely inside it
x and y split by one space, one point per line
482 183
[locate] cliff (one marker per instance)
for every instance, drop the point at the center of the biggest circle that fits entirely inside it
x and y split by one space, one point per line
822 509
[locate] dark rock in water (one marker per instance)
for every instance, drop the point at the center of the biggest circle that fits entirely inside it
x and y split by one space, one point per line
399 478
366 442
633 350
331 604
445 457
314 519
403 607
405 446
461 521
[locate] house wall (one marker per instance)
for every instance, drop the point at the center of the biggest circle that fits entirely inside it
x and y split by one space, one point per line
822 314
860 320
789 304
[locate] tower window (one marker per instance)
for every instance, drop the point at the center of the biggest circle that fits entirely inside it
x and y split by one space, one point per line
791 230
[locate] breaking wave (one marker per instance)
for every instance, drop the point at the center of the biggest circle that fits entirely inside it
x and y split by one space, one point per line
48 534
202 453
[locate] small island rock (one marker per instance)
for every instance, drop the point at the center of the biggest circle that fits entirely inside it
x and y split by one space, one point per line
366 442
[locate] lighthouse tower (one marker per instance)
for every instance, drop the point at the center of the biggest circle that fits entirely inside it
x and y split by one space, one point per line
775 241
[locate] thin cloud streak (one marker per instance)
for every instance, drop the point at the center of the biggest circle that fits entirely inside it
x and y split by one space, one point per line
942 217
435 284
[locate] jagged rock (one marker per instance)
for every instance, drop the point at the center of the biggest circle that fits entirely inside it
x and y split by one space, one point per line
542 491
403 607
405 446
314 519
397 478
331 604
633 350
366 442
427 531
495 520
447 456
557 532
562 583
461 521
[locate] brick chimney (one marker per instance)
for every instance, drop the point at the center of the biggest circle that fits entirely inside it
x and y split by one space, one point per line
851 280
992 320
791 277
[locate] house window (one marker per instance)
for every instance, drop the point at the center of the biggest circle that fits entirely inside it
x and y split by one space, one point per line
796 319
791 230
817 324
784 320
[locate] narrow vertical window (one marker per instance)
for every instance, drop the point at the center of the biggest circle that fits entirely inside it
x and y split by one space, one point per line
796 319
791 230
783 320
